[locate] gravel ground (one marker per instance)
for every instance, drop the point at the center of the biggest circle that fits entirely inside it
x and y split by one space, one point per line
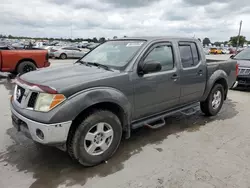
190 151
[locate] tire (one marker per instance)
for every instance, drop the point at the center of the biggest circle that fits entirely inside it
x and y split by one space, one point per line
63 56
207 106
25 66
78 143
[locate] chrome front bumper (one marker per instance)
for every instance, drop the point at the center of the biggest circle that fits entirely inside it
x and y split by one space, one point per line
39 132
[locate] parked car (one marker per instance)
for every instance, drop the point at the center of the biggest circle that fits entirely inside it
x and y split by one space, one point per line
22 61
243 60
92 46
123 84
215 51
67 52
232 51
206 51
225 51
83 45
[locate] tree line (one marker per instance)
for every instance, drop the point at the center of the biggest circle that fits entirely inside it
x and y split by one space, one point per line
232 41
206 41
94 39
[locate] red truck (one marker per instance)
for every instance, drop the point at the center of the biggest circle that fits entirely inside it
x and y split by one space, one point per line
22 61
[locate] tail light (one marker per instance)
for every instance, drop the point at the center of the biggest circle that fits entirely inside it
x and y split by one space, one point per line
237 69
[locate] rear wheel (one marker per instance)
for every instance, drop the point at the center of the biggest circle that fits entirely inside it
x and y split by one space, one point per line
96 139
212 105
63 56
26 66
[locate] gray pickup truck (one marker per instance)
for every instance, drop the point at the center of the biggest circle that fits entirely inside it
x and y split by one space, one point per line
85 108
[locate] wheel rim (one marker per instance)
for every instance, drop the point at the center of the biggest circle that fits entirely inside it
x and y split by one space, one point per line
98 139
216 100
63 56
28 68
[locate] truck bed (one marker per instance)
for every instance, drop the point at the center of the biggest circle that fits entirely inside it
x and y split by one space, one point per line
228 66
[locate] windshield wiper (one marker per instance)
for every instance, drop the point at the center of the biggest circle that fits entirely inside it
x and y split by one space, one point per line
99 65
93 64
82 62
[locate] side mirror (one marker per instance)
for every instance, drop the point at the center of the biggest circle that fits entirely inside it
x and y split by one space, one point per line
232 56
150 67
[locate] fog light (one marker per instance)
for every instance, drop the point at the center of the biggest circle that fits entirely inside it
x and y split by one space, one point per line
40 134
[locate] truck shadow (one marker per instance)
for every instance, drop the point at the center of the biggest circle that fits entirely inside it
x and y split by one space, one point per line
242 89
51 167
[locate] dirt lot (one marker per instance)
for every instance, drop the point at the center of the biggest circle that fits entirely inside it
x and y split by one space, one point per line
190 151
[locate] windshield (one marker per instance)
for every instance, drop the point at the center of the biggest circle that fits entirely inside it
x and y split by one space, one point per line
245 54
115 54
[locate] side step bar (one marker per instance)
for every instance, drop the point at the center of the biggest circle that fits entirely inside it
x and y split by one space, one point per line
158 121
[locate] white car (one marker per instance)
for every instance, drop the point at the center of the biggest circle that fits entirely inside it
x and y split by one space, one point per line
67 52
206 51
225 51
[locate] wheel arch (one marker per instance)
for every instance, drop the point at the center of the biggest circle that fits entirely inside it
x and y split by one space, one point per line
63 53
23 60
103 99
218 77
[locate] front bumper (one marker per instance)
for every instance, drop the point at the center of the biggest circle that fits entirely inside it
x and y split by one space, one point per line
243 81
47 64
48 134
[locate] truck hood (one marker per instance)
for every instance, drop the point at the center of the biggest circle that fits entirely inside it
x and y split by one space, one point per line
243 63
67 76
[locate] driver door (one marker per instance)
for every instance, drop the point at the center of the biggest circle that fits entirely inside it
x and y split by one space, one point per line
158 91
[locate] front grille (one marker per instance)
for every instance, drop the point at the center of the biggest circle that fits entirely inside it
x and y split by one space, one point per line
32 100
19 94
244 71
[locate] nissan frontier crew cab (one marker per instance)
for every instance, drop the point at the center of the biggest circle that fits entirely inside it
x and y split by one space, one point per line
84 108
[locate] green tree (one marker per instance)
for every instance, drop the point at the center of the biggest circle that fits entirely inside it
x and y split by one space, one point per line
102 39
206 41
218 43
95 40
234 39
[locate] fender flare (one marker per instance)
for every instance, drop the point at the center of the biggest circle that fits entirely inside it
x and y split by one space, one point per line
215 77
80 101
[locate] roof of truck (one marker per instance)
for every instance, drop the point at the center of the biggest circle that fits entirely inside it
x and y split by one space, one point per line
153 38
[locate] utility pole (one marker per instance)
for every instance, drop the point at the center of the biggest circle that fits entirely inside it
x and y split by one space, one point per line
238 41
71 30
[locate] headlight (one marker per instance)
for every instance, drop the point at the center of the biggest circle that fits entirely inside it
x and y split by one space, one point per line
46 102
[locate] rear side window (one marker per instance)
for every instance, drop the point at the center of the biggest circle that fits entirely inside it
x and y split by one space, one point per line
189 54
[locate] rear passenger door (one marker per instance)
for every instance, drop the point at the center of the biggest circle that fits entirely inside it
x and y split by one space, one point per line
193 73
68 52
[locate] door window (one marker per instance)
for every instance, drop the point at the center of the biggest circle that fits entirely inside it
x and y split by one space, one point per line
162 54
189 54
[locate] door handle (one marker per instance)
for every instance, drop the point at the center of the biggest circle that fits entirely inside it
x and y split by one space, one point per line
200 72
175 77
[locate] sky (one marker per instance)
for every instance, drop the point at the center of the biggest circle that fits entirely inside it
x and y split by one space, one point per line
107 18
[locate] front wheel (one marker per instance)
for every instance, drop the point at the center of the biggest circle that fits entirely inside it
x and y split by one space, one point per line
96 139
212 105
